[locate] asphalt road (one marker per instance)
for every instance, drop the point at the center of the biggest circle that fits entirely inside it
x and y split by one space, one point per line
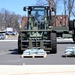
9 54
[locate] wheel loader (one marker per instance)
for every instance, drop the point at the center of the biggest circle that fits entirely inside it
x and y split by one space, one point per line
38 31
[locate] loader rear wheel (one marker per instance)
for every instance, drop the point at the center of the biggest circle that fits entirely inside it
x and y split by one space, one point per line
71 27
53 43
74 38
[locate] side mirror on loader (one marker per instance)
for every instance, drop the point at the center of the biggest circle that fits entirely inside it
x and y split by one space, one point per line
53 9
24 8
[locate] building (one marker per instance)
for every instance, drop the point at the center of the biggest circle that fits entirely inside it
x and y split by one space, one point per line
61 20
24 22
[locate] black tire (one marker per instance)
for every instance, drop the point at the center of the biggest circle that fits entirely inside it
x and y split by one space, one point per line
74 38
53 43
19 45
71 26
24 37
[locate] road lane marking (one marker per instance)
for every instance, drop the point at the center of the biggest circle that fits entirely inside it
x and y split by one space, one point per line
58 39
8 40
5 52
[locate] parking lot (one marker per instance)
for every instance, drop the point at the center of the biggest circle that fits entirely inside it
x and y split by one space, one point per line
12 64
9 54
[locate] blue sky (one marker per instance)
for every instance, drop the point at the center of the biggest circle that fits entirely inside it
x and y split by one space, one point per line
16 5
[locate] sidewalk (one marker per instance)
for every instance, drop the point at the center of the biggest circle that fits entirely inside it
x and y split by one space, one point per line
37 70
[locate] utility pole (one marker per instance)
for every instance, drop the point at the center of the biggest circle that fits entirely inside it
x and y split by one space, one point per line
50 5
65 11
69 8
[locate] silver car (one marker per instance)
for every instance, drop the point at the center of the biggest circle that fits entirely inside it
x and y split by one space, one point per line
69 51
2 36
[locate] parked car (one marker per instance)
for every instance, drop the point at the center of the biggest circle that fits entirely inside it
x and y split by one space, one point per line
2 36
10 33
14 33
69 51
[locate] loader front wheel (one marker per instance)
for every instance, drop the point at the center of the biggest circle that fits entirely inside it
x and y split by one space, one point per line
19 45
53 43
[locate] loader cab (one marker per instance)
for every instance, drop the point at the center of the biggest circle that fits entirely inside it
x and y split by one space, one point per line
38 16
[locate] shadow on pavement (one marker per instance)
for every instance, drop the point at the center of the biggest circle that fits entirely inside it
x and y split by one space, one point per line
15 51
65 56
65 43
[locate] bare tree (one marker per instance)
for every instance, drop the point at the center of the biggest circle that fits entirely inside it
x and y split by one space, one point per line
73 12
70 7
65 6
52 3
1 21
9 19
53 8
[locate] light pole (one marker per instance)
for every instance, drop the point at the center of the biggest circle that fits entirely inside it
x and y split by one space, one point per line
65 11
50 5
